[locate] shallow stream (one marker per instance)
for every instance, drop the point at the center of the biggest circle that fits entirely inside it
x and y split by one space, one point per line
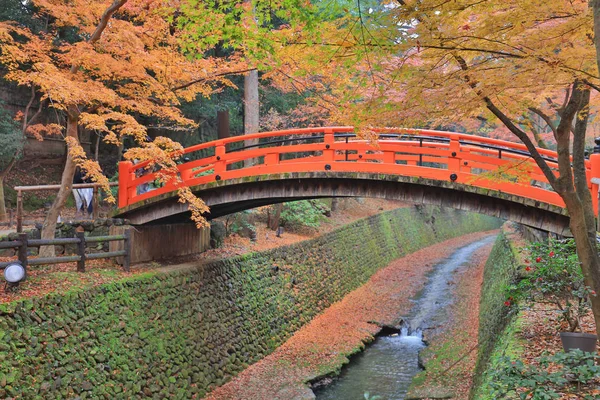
388 365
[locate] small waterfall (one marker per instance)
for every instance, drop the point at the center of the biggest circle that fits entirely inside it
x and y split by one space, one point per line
407 332
388 365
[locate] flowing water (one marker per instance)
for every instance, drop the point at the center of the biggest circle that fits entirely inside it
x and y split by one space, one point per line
388 365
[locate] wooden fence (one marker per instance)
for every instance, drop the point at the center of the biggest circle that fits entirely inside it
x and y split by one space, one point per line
23 243
21 190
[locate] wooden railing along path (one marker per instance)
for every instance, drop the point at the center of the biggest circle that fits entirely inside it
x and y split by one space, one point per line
23 243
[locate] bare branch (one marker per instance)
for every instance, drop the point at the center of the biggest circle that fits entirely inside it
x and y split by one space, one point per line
545 117
535 130
207 78
522 135
9 167
27 108
579 171
106 16
563 137
593 86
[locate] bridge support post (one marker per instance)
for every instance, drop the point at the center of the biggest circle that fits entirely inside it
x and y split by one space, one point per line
389 157
160 242
272 159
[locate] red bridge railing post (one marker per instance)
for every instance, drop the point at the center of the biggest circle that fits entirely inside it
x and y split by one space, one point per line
186 174
220 165
328 140
272 159
595 161
454 159
125 177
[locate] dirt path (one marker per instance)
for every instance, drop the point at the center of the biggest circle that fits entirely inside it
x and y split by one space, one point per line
323 345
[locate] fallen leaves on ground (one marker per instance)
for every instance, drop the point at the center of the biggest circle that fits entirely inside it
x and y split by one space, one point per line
44 279
323 345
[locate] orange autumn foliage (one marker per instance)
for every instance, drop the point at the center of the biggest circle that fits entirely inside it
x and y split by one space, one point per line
123 61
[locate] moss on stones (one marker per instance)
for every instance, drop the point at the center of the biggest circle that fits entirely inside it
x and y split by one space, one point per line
494 319
185 332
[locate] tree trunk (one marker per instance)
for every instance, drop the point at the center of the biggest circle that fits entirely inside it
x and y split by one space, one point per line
3 176
66 182
585 242
251 109
3 216
97 149
334 204
274 220
596 8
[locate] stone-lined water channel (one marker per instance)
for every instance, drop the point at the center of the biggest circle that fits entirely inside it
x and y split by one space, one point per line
388 365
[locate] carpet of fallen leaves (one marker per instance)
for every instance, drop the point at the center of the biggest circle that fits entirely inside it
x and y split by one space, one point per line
540 334
451 356
324 344
45 279
540 328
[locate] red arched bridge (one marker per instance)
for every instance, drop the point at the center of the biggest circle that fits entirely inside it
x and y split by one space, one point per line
462 171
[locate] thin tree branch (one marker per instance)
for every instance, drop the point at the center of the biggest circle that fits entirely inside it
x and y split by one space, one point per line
207 78
106 16
563 136
27 108
533 151
10 166
579 171
545 117
34 116
593 86
535 129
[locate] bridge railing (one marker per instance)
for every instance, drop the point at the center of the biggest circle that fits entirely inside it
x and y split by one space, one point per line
443 156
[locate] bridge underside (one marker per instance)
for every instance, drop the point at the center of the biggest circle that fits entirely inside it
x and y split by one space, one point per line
225 197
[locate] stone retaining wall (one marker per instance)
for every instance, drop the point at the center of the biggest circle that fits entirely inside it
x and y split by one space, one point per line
500 271
178 334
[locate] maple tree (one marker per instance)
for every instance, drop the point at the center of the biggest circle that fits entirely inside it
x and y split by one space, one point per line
527 70
120 61
106 64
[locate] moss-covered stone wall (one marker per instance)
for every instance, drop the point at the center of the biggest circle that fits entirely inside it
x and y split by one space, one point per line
500 270
181 333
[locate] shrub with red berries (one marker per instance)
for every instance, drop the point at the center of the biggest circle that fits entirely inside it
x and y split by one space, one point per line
554 279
